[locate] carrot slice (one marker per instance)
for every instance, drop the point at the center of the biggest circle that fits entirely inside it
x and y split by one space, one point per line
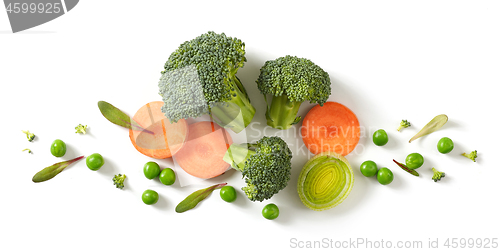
201 156
331 127
168 138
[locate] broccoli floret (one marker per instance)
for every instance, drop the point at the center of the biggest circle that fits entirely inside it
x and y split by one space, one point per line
404 124
81 129
290 81
200 78
437 175
29 135
265 165
29 151
472 156
118 180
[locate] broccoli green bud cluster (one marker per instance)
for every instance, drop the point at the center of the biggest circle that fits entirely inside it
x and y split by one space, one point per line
265 165
29 135
437 175
404 124
118 180
290 81
472 156
181 89
200 78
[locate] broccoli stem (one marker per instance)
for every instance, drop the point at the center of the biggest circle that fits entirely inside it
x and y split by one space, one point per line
236 113
237 154
282 113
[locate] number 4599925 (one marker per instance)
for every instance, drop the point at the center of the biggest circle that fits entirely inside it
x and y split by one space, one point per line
471 243
46 8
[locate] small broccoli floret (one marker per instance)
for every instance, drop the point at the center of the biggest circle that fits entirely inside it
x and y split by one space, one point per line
200 78
29 135
437 175
472 156
29 151
118 180
290 81
81 129
404 124
265 165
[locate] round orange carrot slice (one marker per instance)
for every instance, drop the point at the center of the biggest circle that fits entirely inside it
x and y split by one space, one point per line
161 139
201 156
331 127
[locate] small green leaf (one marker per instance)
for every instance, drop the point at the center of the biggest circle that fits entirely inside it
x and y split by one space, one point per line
116 116
194 198
410 171
435 124
51 171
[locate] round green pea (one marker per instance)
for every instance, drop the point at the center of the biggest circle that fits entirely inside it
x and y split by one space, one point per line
385 176
270 211
414 160
150 197
368 168
167 176
228 194
58 148
445 145
380 137
151 170
95 161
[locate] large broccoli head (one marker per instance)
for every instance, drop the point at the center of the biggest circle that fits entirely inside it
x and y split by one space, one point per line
265 165
297 78
291 81
200 78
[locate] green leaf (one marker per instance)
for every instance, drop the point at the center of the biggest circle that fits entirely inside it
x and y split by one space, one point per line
410 171
51 171
194 198
116 116
435 124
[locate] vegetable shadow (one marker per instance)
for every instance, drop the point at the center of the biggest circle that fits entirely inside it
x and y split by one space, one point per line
89 132
392 144
450 124
70 152
162 203
109 169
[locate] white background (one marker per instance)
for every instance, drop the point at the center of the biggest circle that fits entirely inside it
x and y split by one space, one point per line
388 60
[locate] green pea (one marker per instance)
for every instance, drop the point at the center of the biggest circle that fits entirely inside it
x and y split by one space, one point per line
150 197
414 160
385 176
368 168
95 161
270 211
445 145
167 176
151 170
380 137
228 194
58 148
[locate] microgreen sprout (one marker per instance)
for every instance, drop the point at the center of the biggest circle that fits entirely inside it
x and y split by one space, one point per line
404 124
81 129
472 156
118 180
437 175
29 135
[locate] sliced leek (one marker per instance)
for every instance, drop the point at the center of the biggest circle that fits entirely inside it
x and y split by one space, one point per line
325 181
